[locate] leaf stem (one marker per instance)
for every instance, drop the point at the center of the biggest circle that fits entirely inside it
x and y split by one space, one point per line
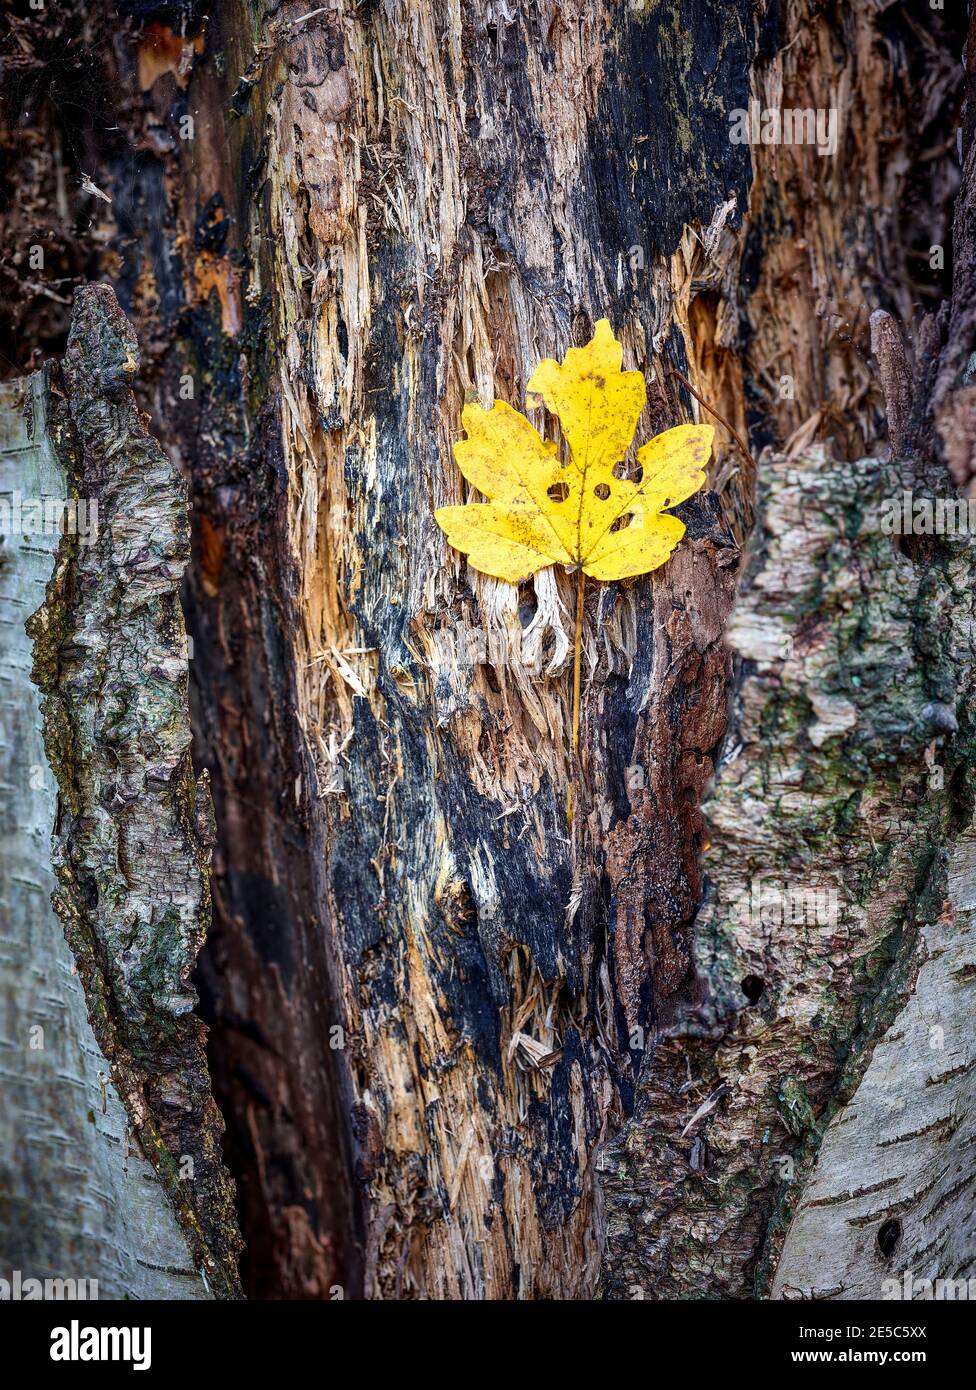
577 652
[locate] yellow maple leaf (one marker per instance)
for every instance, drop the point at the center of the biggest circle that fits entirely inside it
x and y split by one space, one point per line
541 512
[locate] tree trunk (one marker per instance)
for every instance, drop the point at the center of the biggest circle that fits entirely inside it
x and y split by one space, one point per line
464 1046
80 1200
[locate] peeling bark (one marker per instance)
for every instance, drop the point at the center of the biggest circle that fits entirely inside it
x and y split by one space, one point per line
890 1195
837 800
79 1199
133 829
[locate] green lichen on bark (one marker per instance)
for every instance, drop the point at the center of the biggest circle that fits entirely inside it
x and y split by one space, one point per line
845 777
134 832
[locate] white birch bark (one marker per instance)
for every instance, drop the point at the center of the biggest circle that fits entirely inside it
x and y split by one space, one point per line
79 1201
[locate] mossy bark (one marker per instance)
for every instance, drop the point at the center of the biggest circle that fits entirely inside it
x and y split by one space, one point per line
845 785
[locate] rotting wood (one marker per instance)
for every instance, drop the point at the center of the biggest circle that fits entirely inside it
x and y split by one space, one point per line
469 927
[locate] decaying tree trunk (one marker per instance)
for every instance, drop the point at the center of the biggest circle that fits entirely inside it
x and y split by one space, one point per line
461 1047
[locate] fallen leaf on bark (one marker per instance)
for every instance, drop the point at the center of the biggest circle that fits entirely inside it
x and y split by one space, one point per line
578 514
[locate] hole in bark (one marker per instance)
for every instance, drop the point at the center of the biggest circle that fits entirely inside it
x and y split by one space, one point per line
888 1237
753 987
602 491
622 521
527 610
558 492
